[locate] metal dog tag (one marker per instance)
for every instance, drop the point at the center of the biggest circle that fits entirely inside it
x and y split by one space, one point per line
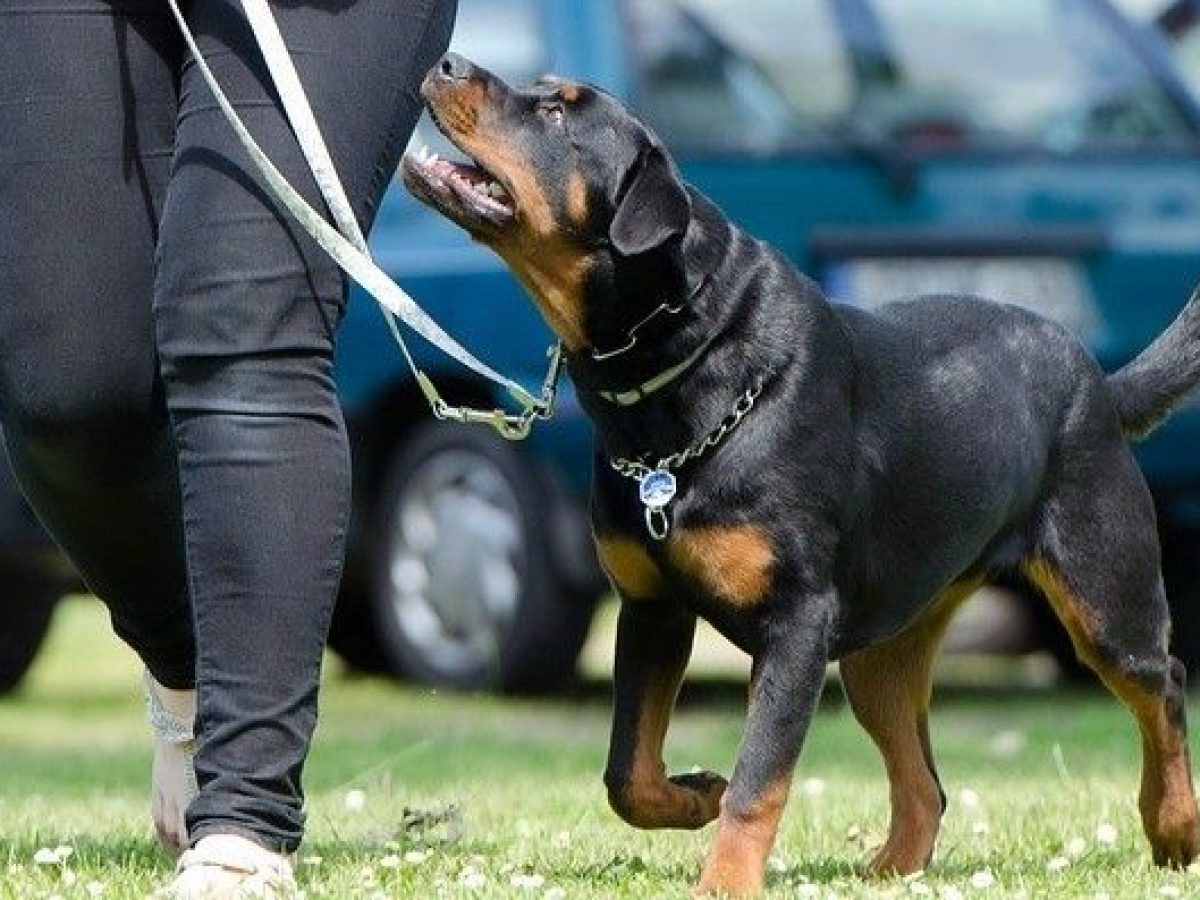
656 489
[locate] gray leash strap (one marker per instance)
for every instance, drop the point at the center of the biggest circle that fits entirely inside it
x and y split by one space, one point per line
348 246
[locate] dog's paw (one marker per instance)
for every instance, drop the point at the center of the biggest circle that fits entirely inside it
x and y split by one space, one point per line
707 788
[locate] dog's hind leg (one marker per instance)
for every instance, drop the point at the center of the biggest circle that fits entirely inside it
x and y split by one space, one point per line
1097 563
889 687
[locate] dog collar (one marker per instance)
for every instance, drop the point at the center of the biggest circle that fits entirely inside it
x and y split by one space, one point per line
656 481
665 377
659 381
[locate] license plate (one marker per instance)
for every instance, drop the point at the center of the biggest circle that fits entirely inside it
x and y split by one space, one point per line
1052 286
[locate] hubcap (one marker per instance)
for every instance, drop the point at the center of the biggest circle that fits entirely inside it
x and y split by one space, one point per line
455 563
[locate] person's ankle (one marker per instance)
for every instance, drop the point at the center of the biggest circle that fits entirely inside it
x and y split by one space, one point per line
171 712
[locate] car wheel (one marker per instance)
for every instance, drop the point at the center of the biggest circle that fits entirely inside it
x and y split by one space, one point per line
468 587
352 632
1181 577
28 600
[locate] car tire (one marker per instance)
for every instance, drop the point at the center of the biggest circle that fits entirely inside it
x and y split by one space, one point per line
470 581
1181 577
352 633
28 600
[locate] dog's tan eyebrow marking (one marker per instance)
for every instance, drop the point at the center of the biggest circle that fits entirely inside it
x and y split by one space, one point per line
630 567
570 92
577 199
734 562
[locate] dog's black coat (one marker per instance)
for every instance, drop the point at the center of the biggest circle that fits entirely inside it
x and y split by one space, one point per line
892 455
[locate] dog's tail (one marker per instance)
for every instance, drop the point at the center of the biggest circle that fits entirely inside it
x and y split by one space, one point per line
1159 378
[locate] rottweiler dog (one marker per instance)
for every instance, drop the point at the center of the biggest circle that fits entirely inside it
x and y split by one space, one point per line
818 482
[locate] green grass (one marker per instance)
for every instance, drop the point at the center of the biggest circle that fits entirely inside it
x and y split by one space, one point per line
478 797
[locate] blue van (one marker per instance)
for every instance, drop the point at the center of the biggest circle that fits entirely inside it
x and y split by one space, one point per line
1043 152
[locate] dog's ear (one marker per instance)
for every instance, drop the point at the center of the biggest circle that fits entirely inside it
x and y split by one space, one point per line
655 206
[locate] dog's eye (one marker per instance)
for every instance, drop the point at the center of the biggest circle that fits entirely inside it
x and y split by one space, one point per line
552 111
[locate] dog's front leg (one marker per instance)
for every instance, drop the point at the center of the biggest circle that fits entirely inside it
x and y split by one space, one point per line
654 641
789 672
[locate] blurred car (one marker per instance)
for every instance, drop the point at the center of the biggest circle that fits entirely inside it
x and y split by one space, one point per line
1043 152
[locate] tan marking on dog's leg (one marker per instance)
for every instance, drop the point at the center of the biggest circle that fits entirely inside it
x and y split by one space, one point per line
1166 800
651 799
738 858
733 562
630 567
889 687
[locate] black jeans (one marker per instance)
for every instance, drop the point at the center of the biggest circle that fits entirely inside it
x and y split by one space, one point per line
166 341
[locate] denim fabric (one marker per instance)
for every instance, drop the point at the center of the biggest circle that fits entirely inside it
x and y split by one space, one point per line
166 341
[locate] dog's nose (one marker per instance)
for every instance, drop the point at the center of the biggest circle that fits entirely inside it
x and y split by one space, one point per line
454 67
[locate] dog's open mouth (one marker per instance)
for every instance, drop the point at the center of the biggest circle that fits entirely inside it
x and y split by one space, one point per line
465 192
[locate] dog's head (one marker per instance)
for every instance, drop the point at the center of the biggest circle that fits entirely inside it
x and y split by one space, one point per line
578 197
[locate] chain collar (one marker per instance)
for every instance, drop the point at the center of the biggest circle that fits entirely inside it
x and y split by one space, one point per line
656 483
671 309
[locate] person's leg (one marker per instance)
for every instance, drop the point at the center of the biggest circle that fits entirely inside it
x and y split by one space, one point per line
246 309
87 128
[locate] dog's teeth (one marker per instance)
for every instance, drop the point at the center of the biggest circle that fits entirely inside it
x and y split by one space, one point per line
495 189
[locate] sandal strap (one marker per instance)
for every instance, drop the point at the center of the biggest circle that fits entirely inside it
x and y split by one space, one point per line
238 854
167 725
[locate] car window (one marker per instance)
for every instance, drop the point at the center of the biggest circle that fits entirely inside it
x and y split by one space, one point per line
766 76
1053 73
737 75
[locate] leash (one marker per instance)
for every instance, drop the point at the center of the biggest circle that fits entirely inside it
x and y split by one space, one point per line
347 245
657 484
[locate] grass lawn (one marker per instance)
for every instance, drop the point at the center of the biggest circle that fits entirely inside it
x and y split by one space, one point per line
414 793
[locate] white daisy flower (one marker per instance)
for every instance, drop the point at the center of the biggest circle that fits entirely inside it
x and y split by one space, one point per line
968 798
982 880
472 878
355 800
527 881
1057 864
1106 834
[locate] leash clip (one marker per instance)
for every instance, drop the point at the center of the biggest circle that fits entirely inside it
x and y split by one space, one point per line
510 426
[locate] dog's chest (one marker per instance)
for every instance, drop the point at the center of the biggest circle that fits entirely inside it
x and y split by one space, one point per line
732 564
